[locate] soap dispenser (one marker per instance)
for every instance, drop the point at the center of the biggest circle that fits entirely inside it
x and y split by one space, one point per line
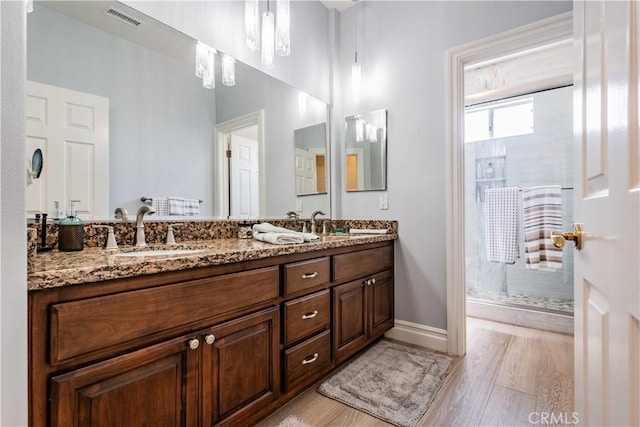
71 231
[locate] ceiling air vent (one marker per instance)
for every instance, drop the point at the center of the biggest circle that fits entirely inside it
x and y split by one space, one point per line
114 13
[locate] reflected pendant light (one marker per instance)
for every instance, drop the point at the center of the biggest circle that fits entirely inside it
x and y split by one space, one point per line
228 70
283 24
29 6
209 78
359 124
202 54
251 23
268 37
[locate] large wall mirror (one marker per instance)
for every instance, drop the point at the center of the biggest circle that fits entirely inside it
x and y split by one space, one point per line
366 151
136 121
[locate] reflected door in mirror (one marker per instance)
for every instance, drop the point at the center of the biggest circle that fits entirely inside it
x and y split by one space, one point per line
366 151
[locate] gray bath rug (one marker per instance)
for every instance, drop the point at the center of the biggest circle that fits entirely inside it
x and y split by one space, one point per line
292 421
390 381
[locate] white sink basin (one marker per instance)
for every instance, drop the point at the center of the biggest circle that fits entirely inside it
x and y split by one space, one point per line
160 252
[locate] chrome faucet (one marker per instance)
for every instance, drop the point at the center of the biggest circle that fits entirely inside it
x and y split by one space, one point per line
292 215
313 220
121 213
140 237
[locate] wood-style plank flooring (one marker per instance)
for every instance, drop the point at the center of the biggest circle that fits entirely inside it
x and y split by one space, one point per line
509 371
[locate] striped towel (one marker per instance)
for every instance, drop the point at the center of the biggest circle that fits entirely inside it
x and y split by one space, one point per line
501 218
542 208
160 205
184 207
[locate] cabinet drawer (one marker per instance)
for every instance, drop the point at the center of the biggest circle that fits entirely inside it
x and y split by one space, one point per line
301 276
362 263
307 359
82 327
306 315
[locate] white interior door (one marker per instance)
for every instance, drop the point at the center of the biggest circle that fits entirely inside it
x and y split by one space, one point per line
244 167
305 172
607 332
72 130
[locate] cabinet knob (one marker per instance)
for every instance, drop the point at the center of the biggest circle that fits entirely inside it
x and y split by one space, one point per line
310 275
310 315
210 339
311 360
194 344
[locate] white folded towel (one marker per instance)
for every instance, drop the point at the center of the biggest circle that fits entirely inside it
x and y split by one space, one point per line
368 230
501 220
542 208
266 227
278 238
160 205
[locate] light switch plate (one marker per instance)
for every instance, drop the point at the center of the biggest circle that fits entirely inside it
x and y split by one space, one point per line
298 205
383 201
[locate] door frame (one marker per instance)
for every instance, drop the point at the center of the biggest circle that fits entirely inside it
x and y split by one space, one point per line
222 131
529 36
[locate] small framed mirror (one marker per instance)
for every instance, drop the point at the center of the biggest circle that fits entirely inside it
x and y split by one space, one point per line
366 151
311 159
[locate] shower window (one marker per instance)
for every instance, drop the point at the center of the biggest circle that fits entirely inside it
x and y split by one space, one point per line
501 119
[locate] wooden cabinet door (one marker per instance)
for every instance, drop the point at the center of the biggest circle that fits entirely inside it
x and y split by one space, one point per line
153 386
380 304
240 367
349 320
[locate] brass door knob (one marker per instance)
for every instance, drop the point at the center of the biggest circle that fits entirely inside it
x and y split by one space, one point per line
559 239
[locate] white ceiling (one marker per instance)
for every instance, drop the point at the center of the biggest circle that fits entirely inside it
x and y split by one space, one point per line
340 5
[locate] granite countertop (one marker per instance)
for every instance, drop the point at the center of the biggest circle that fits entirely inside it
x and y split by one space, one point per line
55 269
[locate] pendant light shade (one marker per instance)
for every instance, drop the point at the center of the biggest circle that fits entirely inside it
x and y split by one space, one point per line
268 38
251 23
228 70
283 21
209 78
29 6
202 56
356 81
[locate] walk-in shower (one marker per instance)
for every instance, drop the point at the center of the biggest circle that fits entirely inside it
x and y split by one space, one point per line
521 142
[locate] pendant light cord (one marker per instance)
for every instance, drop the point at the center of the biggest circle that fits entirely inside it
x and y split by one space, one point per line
355 34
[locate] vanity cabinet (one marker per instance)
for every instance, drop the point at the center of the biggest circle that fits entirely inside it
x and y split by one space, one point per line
363 309
224 344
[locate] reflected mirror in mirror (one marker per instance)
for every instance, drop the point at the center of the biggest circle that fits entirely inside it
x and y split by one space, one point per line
133 104
366 151
310 160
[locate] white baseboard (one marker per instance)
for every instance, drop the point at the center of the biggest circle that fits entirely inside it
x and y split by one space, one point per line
414 333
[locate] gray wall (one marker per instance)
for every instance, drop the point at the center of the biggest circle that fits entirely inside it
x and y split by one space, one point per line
402 46
161 120
13 250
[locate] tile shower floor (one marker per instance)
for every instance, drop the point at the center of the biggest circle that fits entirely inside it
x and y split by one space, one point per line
528 301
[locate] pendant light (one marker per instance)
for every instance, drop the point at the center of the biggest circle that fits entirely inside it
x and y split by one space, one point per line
202 55
268 38
251 23
228 70
29 6
356 70
283 24
208 77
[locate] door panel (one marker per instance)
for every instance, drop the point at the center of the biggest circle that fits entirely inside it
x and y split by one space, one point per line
148 387
245 196
607 271
349 321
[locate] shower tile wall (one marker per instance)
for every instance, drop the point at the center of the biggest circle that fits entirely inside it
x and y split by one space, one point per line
542 158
